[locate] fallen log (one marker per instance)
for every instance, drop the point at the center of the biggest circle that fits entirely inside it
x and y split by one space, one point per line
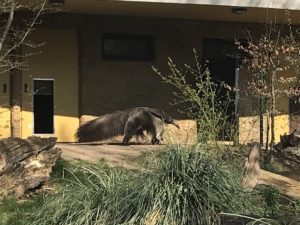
25 164
286 185
255 176
230 219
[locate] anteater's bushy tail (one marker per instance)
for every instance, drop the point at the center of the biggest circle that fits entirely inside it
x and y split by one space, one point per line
104 127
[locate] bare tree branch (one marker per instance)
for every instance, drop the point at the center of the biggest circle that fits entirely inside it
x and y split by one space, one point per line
27 32
8 24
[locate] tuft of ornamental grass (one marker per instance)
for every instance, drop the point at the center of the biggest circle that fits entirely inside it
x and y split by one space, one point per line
15 212
85 197
183 186
187 187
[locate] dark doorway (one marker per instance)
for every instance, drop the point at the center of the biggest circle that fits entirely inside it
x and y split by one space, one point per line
43 106
222 57
294 104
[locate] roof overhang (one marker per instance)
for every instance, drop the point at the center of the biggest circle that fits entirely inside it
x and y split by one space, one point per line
271 4
258 11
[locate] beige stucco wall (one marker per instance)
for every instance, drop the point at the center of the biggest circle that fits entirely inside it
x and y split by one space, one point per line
108 85
4 105
57 60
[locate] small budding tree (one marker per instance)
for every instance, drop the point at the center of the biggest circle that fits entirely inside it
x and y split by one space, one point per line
199 96
17 21
273 60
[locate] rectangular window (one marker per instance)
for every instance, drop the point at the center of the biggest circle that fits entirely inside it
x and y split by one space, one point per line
127 47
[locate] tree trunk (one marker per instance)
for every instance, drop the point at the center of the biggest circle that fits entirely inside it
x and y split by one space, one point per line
25 164
8 24
267 132
273 78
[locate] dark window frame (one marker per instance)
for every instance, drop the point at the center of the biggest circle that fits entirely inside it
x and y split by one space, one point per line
221 42
56 2
150 46
294 104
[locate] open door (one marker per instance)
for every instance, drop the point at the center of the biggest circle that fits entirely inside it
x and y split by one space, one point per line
223 57
43 106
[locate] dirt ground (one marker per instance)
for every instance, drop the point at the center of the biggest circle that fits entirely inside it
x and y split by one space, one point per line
116 154
127 156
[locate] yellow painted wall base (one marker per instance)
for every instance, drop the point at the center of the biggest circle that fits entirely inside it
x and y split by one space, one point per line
187 134
65 128
249 128
4 122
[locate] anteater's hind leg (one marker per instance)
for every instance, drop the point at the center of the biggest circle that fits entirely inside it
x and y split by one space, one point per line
132 128
141 138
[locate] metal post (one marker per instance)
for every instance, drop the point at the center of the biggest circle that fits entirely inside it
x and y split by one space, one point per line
236 100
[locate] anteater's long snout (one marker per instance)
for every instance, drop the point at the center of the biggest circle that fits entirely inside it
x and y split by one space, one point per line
175 124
